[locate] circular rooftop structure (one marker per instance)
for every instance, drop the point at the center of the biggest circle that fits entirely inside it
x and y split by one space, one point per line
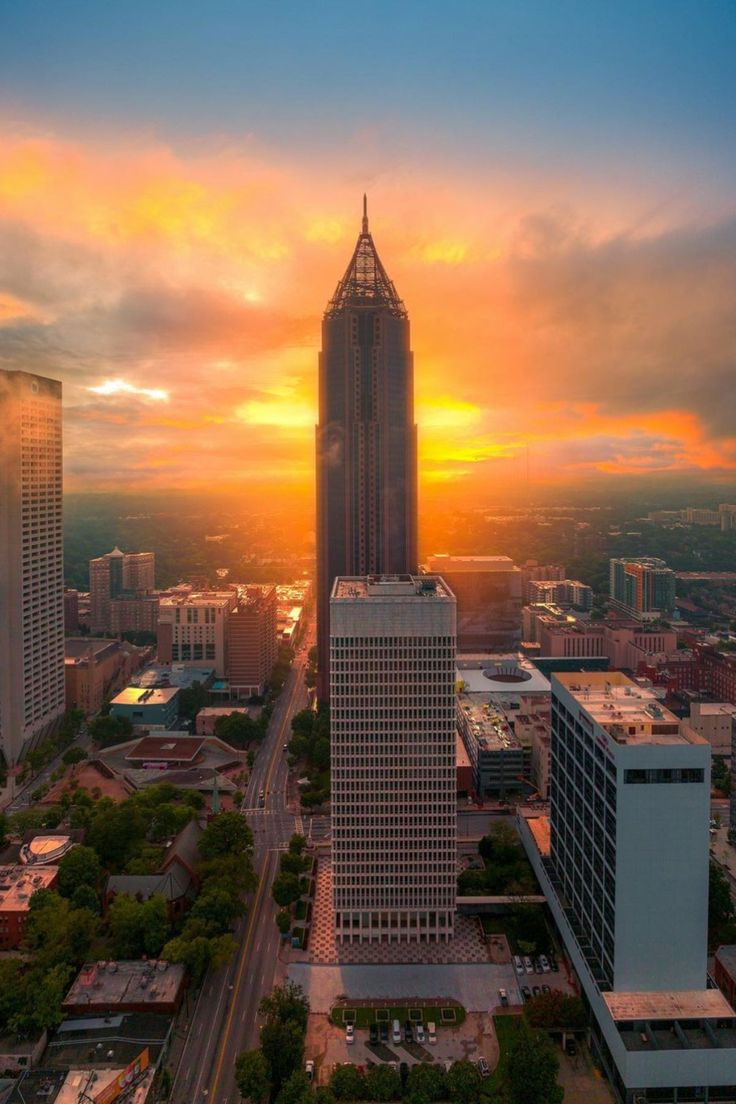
45 849
507 674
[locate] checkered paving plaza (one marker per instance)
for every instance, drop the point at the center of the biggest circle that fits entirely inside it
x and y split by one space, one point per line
468 944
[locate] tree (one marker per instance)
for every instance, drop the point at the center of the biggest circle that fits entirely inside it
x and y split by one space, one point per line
79 867
297 1089
218 907
108 730
138 927
428 1079
283 921
464 1082
556 1010
191 700
226 834
73 755
293 863
348 1083
720 903
199 952
85 897
238 730
382 1083
115 831
40 1010
282 1043
253 1077
56 932
4 828
286 889
532 1069
286 1003
297 844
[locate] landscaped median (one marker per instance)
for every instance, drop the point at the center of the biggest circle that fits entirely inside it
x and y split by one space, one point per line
443 1013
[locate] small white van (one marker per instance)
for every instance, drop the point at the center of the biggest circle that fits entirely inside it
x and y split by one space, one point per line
397 1032
431 1034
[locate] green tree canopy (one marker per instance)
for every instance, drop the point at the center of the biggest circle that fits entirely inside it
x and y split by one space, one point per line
464 1082
532 1069
79 867
348 1083
253 1076
287 1003
226 834
556 1010
382 1083
297 1089
138 927
282 1043
428 1079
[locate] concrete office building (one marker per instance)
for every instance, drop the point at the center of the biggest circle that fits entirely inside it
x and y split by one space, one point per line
392 693
193 629
623 862
713 720
642 588
488 590
31 561
366 436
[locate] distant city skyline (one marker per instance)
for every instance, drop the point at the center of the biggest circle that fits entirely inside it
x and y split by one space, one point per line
554 187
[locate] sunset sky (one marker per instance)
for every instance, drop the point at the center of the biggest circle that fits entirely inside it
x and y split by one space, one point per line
551 187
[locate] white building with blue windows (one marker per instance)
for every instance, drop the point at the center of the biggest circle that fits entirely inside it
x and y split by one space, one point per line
623 861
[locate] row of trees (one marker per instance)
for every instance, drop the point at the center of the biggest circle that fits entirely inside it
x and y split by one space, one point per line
310 743
287 886
275 1071
423 1083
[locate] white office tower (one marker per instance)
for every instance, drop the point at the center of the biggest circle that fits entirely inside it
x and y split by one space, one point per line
31 561
392 695
623 861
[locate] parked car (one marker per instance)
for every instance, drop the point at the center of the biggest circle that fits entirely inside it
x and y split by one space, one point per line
571 1047
309 1070
396 1034
528 965
554 965
483 1068
503 997
408 1033
420 1033
349 1034
546 989
536 991
432 1033
518 965
538 968
544 963
373 1033
526 992
383 1030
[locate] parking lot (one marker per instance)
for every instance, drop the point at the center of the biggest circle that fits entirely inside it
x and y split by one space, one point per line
326 1045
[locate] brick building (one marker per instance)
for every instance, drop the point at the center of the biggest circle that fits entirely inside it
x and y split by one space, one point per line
17 886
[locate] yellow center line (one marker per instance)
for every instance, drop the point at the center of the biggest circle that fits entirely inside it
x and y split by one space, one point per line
256 905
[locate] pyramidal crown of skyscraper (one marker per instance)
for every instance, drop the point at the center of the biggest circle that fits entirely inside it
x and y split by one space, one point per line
365 282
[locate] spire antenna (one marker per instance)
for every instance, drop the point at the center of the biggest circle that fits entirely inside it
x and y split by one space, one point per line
365 213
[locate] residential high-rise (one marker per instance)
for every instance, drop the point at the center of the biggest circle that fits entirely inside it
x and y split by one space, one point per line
366 436
31 561
642 587
623 862
392 719
252 641
488 592
114 574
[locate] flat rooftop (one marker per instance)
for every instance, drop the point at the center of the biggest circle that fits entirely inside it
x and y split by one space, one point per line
540 830
178 749
19 883
628 712
119 984
78 648
508 674
217 598
443 561
161 675
487 725
137 695
391 586
696 1004
45 849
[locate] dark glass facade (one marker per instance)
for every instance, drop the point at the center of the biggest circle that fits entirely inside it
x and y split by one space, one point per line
366 437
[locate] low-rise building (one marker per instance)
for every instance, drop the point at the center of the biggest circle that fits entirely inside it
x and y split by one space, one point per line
207 718
713 720
17 885
149 708
126 986
95 669
178 749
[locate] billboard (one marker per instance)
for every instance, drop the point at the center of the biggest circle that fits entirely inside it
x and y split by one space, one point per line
124 1079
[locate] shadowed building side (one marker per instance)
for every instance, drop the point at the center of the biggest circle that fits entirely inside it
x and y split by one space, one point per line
366 437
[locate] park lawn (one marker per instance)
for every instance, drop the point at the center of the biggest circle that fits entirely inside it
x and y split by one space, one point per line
364 1017
505 1028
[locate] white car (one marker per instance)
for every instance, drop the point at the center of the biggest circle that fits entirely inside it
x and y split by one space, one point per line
519 965
528 965
544 963
309 1070
420 1033
349 1034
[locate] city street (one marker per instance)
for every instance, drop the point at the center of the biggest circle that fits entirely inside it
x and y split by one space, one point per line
225 1019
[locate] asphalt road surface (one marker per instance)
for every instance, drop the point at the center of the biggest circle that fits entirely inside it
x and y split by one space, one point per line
225 1018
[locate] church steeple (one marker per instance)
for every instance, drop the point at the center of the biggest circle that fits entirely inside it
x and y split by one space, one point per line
366 282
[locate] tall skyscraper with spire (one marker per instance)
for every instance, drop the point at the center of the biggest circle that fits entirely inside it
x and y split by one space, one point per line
366 436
